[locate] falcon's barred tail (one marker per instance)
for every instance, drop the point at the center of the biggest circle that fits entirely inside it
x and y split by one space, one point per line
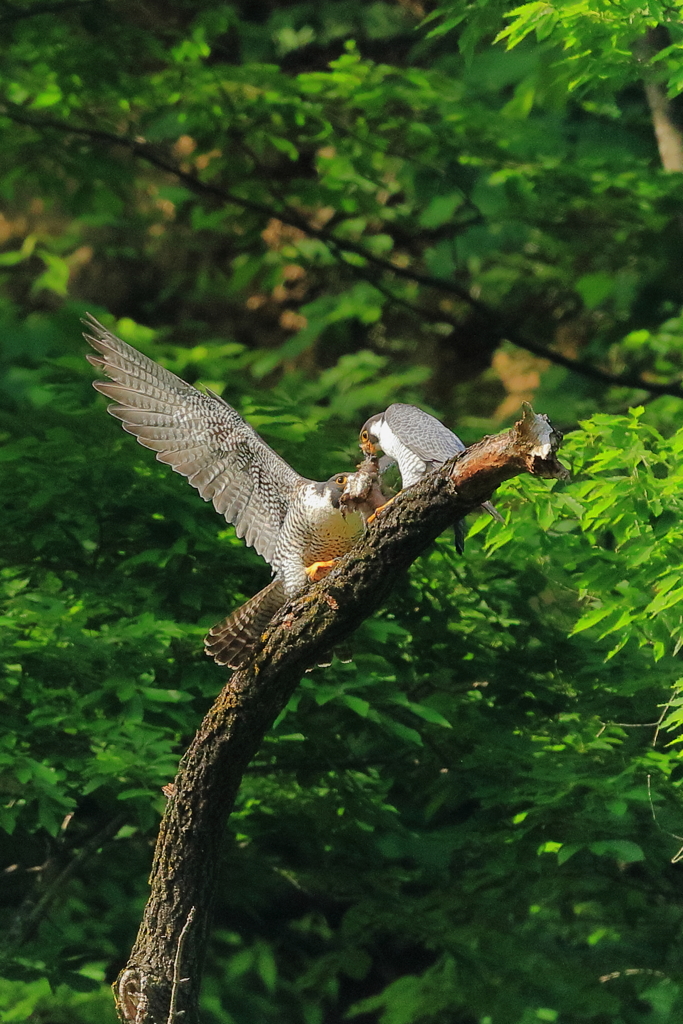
461 526
229 641
492 511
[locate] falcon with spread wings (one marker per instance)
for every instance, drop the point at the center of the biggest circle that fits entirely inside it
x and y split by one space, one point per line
294 523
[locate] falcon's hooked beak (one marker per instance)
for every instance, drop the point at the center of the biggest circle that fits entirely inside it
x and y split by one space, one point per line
366 445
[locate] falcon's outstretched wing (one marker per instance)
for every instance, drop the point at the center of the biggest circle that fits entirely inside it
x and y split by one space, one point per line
423 434
200 436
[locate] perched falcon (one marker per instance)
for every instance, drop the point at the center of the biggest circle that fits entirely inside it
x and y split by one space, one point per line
296 524
419 444
232 638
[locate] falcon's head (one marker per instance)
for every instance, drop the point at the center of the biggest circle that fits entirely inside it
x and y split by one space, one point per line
369 435
331 490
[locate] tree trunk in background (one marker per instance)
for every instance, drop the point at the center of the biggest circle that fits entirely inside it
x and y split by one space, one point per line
668 134
669 138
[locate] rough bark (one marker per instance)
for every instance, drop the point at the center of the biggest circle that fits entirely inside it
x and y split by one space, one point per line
161 981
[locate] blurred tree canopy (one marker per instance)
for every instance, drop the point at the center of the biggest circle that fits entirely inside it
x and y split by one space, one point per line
318 209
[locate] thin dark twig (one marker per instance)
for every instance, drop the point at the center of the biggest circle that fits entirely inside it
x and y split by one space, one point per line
659 721
351 764
30 912
679 855
586 369
177 967
19 14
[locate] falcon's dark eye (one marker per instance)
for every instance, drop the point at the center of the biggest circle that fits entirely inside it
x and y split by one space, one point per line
364 436
341 480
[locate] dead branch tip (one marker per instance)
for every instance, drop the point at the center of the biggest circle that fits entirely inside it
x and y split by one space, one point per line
539 441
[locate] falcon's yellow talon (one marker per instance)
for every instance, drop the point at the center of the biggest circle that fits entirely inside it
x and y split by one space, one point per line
317 570
378 510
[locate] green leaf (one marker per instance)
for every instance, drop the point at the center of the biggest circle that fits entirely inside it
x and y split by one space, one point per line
440 210
10 259
594 289
357 704
620 849
422 711
56 277
568 850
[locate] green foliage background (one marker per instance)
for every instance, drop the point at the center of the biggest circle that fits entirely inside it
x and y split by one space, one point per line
318 209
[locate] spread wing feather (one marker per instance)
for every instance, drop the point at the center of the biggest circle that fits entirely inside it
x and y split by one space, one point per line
200 436
422 433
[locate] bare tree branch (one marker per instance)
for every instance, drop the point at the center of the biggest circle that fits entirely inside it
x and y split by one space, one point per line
585 369
51 881
339 246
191 833
20 13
